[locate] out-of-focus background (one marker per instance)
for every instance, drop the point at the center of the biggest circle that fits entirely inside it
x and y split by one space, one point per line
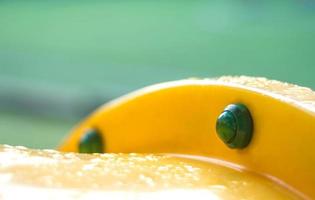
61 59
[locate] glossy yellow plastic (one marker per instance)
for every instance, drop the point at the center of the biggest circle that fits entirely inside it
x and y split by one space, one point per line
180 117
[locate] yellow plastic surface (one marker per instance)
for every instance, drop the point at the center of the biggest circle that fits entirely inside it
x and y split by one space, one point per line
180 117
48 174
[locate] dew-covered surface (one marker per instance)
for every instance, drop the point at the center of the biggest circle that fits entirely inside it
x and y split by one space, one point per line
48 173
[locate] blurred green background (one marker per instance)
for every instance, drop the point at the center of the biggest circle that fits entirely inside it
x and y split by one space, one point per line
61 59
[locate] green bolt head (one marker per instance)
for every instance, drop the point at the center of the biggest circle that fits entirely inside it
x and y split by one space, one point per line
235 126
91 142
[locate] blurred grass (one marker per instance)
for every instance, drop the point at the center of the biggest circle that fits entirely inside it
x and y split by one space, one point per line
70 51
32 131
